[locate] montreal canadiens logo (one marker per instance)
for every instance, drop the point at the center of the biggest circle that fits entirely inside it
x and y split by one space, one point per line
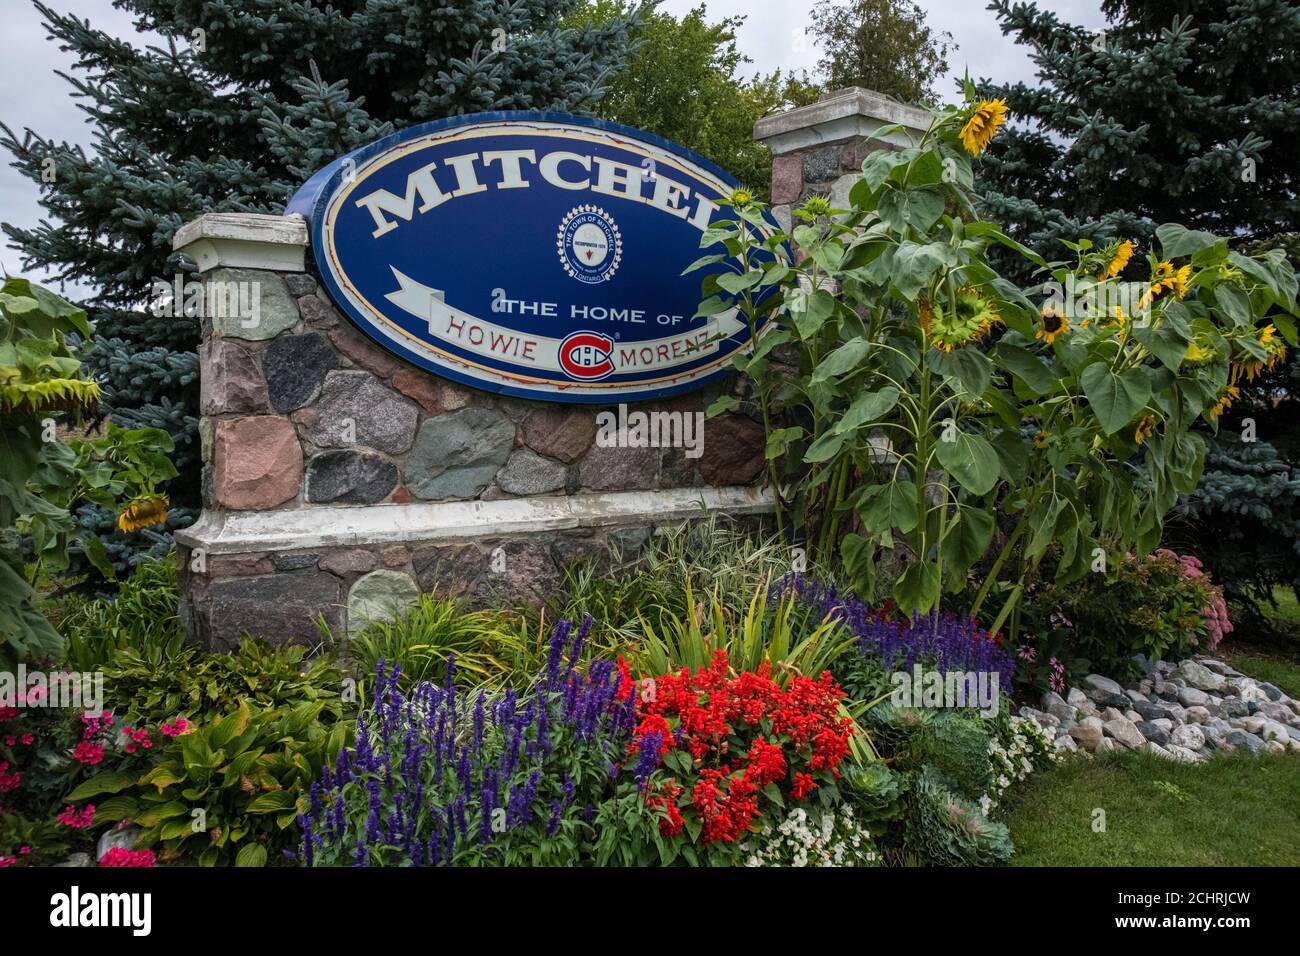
589 244
587 356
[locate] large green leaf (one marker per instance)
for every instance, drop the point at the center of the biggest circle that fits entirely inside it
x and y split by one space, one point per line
1027 367
917 588
890 507
967 540
843 360
1115 399
867 407
914 265
918 208
112 782
971 460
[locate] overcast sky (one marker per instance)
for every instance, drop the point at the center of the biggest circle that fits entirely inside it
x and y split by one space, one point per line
31 95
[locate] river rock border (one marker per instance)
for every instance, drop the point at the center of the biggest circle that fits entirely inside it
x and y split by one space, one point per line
1187 711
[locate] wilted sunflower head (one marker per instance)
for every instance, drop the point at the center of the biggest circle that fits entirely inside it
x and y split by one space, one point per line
1053 323
1199 353
72 395
1145 429
143 512
982 125
966 320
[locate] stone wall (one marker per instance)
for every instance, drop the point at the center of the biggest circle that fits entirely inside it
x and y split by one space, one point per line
308 425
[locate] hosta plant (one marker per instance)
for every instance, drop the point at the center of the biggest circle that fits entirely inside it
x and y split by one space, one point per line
918 401
228 789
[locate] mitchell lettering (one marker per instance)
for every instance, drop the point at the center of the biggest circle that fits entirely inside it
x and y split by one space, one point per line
471 173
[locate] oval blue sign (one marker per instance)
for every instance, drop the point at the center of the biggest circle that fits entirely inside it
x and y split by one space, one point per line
534 254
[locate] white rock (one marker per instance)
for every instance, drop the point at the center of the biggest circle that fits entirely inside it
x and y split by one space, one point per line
1076 698
1189 736
1184 755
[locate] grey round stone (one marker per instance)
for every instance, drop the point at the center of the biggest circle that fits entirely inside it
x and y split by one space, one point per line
349 477
1098 682
379 596
295 367
1191 697
528 473
458 455
1239 738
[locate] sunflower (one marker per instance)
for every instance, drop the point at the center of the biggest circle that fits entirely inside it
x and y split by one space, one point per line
1042 439
142 512
1119 258
1199 354
1146 428
982 125
814 207
1166 279
1054 323
741 198
968 320
72 395
1224 403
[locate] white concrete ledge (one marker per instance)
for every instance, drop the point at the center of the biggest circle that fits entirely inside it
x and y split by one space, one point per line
306 529
844 114
241 240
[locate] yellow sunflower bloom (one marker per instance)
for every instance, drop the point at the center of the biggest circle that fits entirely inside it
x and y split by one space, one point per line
1146 428
1042 439
983 124
1118 261
1054 324
1224 403
143 512
1198 354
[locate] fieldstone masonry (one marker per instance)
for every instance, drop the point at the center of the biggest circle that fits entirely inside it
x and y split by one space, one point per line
341 482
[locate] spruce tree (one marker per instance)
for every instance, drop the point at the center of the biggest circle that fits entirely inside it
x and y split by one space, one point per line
243 102
1177 112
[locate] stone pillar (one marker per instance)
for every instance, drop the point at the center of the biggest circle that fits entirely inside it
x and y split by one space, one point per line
340 482
817 150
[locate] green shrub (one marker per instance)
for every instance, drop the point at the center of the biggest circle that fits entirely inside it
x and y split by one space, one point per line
784 636
1161 606
715 556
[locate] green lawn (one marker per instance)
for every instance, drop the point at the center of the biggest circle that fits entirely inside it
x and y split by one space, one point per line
1229 811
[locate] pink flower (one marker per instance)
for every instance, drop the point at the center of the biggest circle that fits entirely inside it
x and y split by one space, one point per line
120 856
78 819
88 753
176 729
